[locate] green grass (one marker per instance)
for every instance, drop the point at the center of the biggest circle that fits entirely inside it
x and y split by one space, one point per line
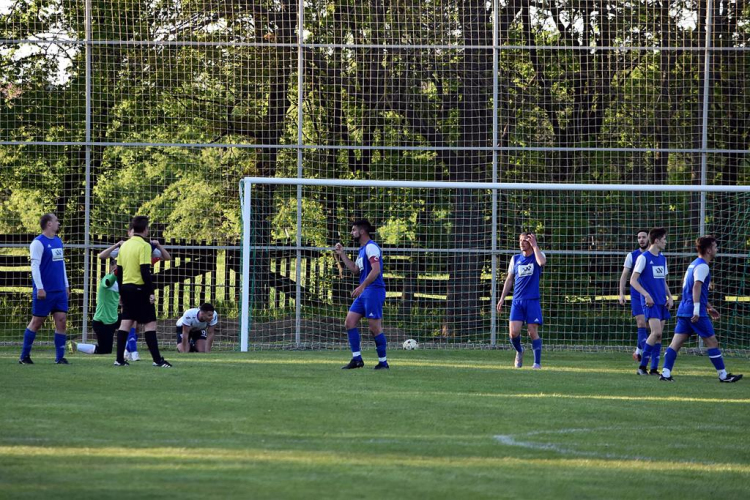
440 424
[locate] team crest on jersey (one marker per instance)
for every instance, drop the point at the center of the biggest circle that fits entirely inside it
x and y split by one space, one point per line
659 271
359 263
525 270
57 253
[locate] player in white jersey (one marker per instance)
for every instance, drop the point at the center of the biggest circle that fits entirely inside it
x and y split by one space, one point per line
635 297
196 329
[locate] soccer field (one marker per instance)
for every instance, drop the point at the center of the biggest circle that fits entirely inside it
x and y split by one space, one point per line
439 424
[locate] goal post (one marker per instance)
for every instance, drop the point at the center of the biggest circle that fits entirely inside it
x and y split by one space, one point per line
446 249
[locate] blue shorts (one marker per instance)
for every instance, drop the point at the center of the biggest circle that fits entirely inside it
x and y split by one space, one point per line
526 310
370 303
52 303
635 304
657 311
704 328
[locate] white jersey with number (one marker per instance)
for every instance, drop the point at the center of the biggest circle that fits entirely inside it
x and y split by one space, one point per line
190 318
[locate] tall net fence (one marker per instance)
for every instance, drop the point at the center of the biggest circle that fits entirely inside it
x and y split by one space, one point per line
114 108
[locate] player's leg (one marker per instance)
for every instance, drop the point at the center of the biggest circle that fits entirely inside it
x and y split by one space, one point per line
128 319
201 345
131 346
655 325
642 325
515 323
201 341
356 312
533 322
656 353
682 333
374 301
705 329
29 335
60 315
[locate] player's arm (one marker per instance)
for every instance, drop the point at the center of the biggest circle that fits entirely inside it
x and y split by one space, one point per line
339 249
185 344
626 268
505 292
145 266
65 276
634 284
712 311
105 254
507 285
697 285
371 276
541 259
640 265
670 300
36 249
623 280
164 253
210 337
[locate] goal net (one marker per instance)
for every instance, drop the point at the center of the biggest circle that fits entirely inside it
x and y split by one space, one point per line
447 248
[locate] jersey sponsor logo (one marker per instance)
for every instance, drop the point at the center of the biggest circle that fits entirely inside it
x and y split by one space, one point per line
57 254
659 272
525 271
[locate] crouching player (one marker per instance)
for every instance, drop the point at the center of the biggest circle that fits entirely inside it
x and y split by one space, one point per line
196 328
694 313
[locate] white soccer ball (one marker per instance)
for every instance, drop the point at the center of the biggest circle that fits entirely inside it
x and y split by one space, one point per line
410 344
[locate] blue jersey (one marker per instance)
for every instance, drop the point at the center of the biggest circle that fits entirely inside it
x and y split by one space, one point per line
527 272
51 263
699 267
368 254
653 278
630 261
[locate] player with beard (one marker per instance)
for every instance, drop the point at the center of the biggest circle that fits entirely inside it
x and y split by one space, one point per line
369 296
635 297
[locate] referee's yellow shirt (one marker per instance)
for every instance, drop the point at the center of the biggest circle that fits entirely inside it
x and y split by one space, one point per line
134 253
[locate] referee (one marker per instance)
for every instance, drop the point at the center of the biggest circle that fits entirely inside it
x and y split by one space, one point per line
137 292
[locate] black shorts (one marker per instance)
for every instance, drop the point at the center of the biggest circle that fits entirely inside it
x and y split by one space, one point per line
105 335
194 335
136 304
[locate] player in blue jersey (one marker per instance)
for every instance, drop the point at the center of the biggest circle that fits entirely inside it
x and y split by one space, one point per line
695 312
50 289
524 272
635 297
369 296
649 278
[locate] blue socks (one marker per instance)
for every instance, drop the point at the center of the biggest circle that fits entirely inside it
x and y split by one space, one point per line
380 345
655 356
516 341
642 336
28 340
716 358
536 346
132 345
670 356
354 342
60 339
647 349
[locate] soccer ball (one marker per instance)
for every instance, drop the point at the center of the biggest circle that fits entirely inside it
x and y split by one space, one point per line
410 344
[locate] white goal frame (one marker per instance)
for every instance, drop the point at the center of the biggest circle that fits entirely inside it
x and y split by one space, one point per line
245 190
